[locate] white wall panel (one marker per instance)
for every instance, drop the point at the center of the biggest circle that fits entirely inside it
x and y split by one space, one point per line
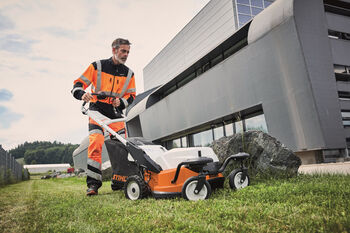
340 51
211 26
338 22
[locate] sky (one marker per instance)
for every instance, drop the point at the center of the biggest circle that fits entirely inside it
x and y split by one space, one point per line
46 45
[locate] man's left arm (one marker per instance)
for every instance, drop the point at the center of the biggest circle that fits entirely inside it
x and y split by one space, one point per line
129 95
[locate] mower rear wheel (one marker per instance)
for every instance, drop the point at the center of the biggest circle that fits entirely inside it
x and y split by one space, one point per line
135 188
236 181
188 190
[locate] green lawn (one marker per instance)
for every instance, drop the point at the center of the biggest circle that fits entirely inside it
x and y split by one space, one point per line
302 204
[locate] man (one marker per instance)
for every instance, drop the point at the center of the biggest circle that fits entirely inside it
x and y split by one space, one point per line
112 77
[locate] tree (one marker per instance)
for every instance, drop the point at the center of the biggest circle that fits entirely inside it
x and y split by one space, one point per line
45 152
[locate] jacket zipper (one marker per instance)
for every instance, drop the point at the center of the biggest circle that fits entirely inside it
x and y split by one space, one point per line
116 71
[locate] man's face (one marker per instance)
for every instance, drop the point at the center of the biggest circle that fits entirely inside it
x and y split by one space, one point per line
121 54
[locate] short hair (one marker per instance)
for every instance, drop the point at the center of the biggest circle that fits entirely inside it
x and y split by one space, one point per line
120 41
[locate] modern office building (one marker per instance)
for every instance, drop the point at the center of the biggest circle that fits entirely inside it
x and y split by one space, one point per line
238 65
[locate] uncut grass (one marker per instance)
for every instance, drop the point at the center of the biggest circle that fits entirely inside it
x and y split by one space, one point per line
301 204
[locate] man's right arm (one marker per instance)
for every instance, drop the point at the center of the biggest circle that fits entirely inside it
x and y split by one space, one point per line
78 90
83 82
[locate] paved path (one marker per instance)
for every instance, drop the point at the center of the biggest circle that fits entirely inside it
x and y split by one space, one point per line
332 168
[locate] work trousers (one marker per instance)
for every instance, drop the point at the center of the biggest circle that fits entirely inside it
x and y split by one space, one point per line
94 161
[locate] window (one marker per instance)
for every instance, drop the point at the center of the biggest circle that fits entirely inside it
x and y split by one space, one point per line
239 126
243 19
344 95
202 138
231 50
256 11
243 2
206 137
206 67
346 123
342 73
176 143
256 123
267 3
218 132
187 79
258 3
345 114
199 71
228 52
334 34
243 9
339 69
229 129
216 60
170 90
246 9
184 141
338 35
346 118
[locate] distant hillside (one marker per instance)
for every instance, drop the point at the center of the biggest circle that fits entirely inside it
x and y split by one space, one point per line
44 152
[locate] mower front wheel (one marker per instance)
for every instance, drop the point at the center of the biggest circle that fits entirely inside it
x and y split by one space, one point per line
135 188
188 190
236 179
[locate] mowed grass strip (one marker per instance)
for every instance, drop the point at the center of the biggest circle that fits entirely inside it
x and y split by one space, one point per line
301 204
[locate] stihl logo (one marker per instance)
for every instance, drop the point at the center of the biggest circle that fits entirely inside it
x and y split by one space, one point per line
119 178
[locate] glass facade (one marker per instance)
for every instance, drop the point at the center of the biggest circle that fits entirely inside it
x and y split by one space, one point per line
342 75
345 114
218 132
203 138
184 142
340 69
346 123
176 143
247 9
338 35
239 126
256 123
206 137
229 129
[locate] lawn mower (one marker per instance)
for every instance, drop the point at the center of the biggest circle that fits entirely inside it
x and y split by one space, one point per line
142 168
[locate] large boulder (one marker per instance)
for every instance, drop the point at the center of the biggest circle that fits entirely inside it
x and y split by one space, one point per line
268 155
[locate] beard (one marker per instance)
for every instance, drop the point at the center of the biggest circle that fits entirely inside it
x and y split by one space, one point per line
120 60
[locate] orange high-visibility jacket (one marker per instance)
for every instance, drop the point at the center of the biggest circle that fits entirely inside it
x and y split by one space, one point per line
105 76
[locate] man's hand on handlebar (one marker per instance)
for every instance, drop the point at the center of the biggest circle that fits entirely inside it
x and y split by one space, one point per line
116 102
86 97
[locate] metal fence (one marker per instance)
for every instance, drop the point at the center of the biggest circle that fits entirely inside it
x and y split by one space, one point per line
10 170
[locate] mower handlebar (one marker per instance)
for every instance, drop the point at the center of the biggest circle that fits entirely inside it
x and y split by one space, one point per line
100 96
103 95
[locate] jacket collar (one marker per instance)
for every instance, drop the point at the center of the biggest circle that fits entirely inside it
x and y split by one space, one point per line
110 60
